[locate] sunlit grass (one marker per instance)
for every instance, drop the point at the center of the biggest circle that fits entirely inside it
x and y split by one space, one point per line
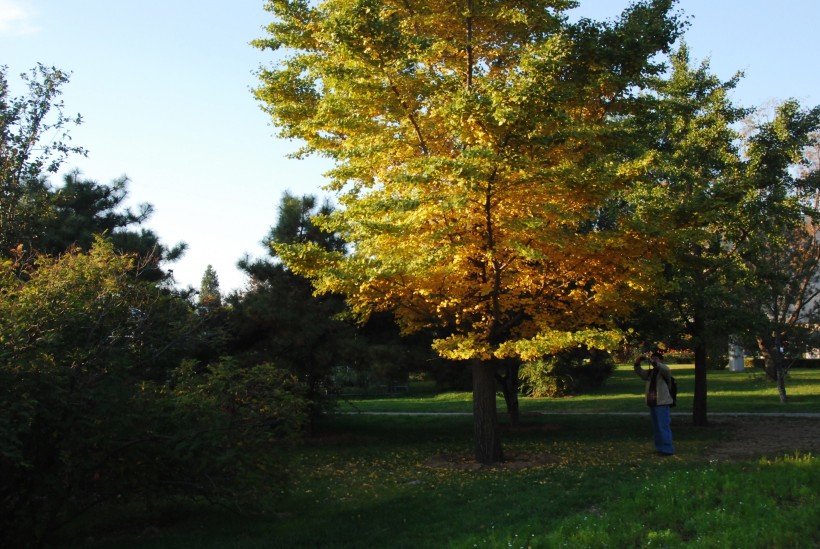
727 392
713 506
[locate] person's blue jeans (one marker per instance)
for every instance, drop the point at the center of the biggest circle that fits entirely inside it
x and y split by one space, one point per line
662 429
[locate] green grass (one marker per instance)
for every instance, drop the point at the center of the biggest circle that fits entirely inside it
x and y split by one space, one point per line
366 481
727 393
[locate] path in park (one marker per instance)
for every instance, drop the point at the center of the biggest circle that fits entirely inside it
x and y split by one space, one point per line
795 415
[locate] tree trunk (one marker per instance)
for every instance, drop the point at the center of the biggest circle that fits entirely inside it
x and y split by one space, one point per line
485 420
780 367
774 363
509 386
699 417
766 349
781 384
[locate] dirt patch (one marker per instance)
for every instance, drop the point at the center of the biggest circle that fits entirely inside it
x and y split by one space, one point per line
748 437
740 438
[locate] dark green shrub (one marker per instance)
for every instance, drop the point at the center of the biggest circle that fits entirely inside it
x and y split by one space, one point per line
71 358
92 412
223 430
567 373
679 356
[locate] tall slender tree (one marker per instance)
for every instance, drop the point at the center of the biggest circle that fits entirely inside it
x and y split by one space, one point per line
691 201
209 294
475 144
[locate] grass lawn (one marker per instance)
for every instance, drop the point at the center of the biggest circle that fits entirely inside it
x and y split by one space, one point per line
373 481
728 392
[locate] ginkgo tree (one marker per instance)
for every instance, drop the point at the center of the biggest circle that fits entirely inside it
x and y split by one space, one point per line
479 151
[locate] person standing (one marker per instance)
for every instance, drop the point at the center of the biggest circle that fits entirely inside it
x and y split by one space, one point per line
658 379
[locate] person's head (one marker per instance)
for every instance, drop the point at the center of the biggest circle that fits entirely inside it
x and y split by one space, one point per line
656 357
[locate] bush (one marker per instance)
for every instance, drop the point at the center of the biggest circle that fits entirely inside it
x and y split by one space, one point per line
679 356
69 329
223 430
568 373
92 411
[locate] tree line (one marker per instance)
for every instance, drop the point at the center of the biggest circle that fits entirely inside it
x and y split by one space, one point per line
517 197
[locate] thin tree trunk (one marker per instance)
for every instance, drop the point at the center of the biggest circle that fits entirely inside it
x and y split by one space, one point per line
781 384
699 416
485 420
775 363
780 367
509 386
766 350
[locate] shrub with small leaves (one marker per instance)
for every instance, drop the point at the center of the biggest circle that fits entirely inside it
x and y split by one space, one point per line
95 407
567 373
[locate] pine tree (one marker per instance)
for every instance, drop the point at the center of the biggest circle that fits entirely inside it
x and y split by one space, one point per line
209 295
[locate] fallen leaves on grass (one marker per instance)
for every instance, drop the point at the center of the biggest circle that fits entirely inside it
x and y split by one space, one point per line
512 462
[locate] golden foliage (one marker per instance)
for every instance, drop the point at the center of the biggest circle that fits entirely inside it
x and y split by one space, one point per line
473 158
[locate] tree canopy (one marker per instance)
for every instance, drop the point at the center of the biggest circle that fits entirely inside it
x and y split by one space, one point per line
474 150
34 142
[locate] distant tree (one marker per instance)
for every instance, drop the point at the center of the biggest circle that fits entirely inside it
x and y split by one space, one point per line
209 294
34 143
786 285
212 340
295 224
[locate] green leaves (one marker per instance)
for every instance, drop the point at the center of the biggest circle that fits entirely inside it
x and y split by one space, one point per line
25 157
94 404
473 157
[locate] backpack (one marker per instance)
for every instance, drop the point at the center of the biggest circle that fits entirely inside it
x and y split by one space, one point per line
673 390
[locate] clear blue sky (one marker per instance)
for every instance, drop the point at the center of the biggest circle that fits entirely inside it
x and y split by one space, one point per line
164 90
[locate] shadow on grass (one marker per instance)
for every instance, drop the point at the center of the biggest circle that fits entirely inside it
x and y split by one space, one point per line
365 481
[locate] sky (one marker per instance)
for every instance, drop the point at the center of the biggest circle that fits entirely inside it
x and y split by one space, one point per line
164 89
